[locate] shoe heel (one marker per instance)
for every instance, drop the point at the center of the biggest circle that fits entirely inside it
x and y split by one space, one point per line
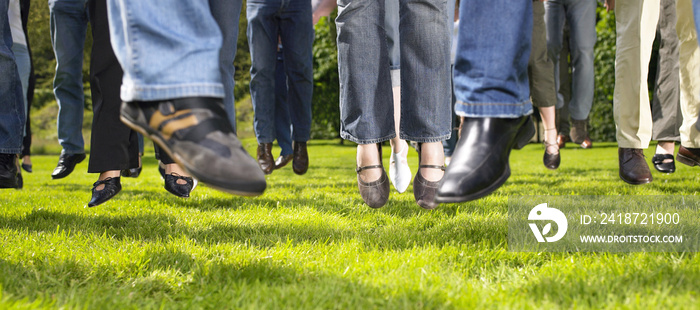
525 133
685 160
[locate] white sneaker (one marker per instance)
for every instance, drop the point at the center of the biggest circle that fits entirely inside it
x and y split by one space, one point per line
399 172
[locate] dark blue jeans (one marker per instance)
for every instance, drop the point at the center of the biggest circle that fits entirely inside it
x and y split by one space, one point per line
12 117
69 24
290 21
283 124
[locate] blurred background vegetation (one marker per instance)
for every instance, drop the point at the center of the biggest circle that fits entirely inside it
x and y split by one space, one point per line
326 115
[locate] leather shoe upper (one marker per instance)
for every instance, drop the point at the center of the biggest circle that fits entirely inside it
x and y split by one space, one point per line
661 166
300 162
112 186
480 161
633 167
66 164
9 171
283 160
265 159
689 156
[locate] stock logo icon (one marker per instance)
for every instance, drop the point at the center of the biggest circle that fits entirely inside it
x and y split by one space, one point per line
542 213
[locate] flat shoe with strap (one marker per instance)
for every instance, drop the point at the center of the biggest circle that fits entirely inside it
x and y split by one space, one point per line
112 186
374 193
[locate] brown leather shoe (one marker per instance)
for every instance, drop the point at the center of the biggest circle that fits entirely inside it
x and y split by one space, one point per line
689 156
579 131
561 140
283 160
633 167
265 159
301 158
587 143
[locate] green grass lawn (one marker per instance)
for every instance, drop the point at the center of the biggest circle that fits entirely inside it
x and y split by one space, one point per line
310 242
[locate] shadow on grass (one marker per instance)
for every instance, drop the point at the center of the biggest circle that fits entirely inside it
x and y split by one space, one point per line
381 233
252 283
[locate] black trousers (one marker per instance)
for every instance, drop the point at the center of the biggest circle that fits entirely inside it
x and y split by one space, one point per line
114 146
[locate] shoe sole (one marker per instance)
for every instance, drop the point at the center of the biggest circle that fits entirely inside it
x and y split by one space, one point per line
155 136
480 194
686 160
636 182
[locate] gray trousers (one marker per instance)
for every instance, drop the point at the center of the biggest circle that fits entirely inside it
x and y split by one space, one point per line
665 106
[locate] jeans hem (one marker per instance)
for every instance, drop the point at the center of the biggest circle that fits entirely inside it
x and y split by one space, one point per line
499 110
10 151
164 92
427 139
351 138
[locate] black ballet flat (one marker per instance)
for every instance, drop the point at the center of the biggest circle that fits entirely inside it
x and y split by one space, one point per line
112 187
27 168
180 190
661 166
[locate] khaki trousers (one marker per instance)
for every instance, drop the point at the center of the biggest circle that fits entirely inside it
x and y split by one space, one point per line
636 22
689 73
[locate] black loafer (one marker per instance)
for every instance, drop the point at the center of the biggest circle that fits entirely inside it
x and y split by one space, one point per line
479 163
66 164
661 166
112 187
177 189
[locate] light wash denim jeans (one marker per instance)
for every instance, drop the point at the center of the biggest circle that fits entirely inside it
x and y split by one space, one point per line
696 13
68 26
491 74
283 123
366 108
12 117
290 21
176 48
581 16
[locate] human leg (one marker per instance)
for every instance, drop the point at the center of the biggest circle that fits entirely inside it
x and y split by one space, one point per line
68 26
297 34
177 101
365 83
12 117
631 109
542 85
492 90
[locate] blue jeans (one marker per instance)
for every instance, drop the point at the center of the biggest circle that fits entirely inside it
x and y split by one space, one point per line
581 16
366 108
194 59
24 66
12 117
226 14
696 12
290 21
283 124
491 74
68 26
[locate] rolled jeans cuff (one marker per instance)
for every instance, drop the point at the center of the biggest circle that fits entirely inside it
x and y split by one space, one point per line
154 93
498 110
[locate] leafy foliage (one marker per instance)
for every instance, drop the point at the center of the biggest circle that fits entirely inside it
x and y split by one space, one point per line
325 104
601 117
